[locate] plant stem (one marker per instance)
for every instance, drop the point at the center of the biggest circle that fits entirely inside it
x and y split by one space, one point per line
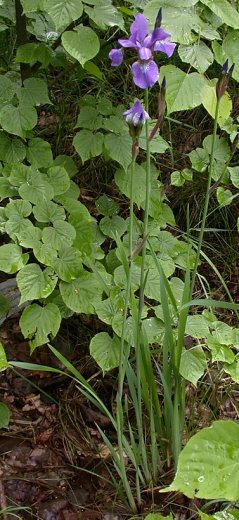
207 197
122 363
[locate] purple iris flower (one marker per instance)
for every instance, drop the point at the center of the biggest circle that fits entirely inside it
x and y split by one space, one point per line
145 70
136 115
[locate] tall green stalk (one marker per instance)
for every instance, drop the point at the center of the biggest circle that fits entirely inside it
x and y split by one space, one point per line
122 361
207 197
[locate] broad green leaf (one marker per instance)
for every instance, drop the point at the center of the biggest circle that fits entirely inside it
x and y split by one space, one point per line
199 159
15 211
193 364
36 188
68 264
107 206
7 89
6 189
63 12
197 326
85 237
224 197
33 283
222 150
106 310
4 415
198 55
3 359
68 163
234 174
115 124
59 179
110 226
32 53
184 91
180 21
29 236
11 150
81 294
226 334
89 118
209 102
88 145
58 234
19 208
104 14
16 120
48 211
157 516
157 145
31 6
176 179
154 329
82 44
105 350
39 153
219 352
56 298
208 466
233 370
123 180
19 174
34 92
39 324
45 254
224 10
119 148
11 258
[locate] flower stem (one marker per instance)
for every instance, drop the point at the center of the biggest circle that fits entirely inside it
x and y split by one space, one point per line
122 362
207 197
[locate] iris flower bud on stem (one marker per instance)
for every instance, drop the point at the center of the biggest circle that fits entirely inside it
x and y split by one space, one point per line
223 80
161 109
135 118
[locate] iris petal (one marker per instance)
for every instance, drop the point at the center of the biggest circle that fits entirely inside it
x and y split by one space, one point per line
145 74
144 53
116 56
139 28
165 47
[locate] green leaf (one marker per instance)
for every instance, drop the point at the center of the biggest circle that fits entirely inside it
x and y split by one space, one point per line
209 100
226 334
89 118
29 236
4 306
31 6
104 14
224 10
198 55
180 19
7 89
224 197
209 464
6 189
219 352
233 370
81 293
39 153
59 179
59 234
16 120
48 211
44 253
184 91
82 44
34 92
33 52
15 212
157 145
110 226
197 326
11 150
33 283
4 415
234 174
193 364
177 179
11 258
123 180
40 323
88 145
157 516
107 206
105 351
3 359
93 70
36 188
68 264
63 12
119 148
68 163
